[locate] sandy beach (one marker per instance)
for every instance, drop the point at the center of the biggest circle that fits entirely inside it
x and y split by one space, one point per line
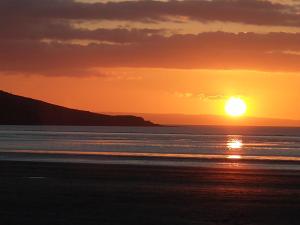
65 193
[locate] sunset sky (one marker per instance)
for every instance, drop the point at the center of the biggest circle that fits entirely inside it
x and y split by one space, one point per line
178 57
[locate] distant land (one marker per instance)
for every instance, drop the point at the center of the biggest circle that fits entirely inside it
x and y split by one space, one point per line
186 119
18 110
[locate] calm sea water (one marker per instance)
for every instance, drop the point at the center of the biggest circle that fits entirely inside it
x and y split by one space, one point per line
261 147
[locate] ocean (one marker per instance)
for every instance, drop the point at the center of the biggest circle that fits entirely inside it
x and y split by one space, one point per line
209 146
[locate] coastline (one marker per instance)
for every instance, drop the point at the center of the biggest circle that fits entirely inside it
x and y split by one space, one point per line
72 193
153 159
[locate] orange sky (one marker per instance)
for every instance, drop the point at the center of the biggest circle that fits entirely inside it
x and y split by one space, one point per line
179 57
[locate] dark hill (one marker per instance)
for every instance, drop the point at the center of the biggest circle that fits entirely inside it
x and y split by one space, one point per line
18 110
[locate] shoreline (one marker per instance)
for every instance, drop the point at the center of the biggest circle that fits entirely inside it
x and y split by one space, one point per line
154 159
72 193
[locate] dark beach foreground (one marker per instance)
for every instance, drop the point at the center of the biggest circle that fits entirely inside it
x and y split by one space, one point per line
65 193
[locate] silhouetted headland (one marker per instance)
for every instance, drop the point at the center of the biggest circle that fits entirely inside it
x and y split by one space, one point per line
19 110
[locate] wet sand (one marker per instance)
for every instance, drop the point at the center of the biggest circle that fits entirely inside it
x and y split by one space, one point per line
65 193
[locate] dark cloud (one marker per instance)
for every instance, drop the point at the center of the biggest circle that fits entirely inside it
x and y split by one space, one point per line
266 52
26 24
242 11
64 31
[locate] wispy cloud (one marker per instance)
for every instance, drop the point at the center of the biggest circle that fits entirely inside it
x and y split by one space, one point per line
264 52
242 11
201 96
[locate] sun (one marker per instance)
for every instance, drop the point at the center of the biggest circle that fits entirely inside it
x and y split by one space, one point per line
235 106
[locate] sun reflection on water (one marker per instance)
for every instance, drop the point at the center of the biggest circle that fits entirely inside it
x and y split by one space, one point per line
234 157
234 143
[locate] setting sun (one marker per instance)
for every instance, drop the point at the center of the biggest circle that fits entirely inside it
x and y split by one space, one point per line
235 106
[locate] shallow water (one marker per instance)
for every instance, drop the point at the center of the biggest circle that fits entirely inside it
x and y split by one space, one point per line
266 147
